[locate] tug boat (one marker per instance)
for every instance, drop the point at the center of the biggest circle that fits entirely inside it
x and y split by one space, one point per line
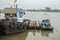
46 25
10 23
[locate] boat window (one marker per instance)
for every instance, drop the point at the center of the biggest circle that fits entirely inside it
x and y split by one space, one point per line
11 14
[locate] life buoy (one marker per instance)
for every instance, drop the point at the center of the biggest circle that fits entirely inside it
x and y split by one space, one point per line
11 25
20 26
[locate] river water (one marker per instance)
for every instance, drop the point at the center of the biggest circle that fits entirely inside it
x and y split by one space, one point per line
35 34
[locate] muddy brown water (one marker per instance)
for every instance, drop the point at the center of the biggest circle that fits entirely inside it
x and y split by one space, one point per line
38 34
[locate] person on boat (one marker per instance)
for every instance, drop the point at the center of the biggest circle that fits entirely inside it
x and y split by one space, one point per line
43 23
48 22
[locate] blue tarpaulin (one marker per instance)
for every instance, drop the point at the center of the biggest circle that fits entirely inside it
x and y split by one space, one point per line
20 12
45 22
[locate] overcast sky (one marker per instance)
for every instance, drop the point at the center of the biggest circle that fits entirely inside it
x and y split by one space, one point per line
31 4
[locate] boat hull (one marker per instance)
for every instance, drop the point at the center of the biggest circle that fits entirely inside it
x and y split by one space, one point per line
34 27
11 27
47 28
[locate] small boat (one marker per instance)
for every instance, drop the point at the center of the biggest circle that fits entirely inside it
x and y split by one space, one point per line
34 25
46 25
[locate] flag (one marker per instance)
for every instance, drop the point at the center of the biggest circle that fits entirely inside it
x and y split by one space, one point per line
15 1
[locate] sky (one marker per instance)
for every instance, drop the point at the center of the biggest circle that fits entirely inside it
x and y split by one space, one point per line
31 4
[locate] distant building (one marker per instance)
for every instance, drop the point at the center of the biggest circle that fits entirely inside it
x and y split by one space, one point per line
47 8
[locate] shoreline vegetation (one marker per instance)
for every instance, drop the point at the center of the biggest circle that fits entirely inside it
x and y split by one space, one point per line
42 10
47 9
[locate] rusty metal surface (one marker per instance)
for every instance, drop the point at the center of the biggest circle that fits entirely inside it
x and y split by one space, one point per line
11 26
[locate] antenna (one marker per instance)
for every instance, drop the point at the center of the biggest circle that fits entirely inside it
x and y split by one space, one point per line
15 5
